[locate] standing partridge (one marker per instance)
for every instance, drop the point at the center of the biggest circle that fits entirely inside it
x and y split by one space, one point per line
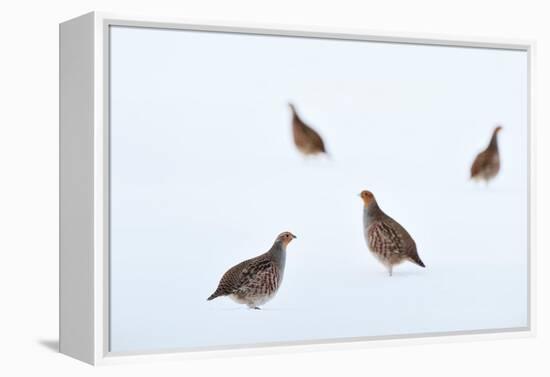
306 139
487 163
256 281
390 243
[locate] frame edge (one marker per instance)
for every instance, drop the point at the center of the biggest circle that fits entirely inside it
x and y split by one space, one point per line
76 193
99 353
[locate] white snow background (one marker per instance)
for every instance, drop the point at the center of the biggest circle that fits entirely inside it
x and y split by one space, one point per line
204 174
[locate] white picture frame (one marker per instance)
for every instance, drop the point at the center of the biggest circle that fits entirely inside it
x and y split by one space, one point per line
84 185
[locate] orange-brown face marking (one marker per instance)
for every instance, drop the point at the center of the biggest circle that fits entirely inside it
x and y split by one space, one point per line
367 197
286 237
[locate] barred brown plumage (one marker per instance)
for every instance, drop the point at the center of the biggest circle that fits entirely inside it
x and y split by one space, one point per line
386 238
487 163
255 281
306 139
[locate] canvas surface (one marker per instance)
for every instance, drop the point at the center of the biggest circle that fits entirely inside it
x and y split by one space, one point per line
204 174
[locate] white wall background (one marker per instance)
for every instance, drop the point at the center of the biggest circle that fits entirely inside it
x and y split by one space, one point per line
28 196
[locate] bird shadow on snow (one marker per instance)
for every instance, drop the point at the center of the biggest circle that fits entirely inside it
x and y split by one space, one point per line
270 309
242 308
398 274
226 309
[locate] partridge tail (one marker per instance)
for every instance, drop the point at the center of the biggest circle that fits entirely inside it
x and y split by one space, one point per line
416 259
214 295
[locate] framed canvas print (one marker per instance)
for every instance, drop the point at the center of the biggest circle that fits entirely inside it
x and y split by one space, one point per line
238 188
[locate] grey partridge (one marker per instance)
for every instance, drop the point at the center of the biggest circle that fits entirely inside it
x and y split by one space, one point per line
487 163
306 139
256 281
390 243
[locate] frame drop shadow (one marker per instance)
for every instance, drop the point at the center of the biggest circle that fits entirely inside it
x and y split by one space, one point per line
52 345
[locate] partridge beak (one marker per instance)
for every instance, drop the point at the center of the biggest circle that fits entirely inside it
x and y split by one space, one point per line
293 236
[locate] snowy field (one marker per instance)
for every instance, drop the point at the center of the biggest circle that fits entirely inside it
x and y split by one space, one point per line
205 175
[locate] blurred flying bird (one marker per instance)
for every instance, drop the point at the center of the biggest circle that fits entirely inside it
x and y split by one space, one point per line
256 281
487 163
390 243
306 139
